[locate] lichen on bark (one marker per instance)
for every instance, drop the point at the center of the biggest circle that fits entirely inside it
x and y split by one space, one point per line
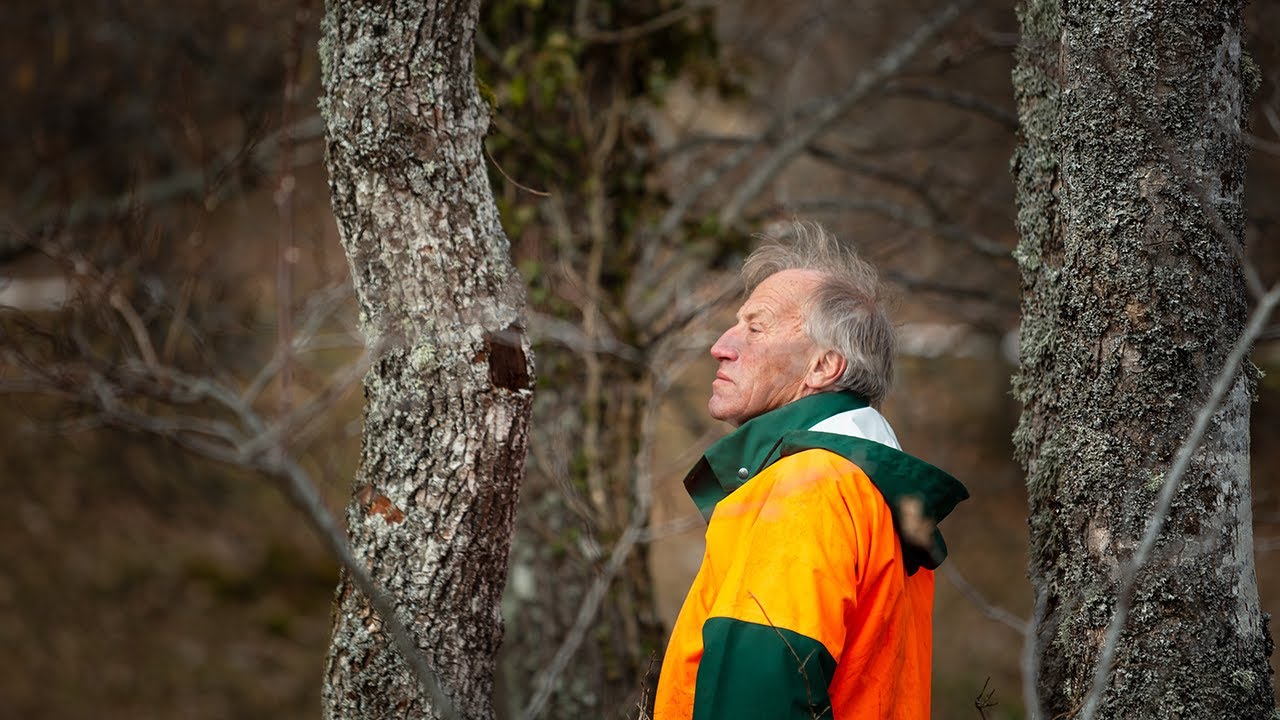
1130 112
449 388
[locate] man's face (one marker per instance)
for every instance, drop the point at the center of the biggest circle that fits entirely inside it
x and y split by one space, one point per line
765 356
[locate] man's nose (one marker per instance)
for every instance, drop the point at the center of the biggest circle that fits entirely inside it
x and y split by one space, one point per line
724 348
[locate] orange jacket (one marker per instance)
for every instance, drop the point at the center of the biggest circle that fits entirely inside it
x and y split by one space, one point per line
809 603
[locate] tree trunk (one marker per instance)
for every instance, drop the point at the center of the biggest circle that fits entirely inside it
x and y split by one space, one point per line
1130 113
449 389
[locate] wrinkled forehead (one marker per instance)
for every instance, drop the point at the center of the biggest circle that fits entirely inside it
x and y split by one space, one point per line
782 294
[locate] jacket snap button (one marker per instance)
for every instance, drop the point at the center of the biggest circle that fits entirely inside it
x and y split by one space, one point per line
742 473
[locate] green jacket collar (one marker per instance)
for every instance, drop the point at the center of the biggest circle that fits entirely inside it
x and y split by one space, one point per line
738 456
918 494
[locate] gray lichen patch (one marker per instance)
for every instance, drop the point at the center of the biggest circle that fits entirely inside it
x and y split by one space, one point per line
442 454
1131 299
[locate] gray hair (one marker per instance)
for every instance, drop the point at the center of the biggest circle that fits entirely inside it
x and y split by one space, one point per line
845 313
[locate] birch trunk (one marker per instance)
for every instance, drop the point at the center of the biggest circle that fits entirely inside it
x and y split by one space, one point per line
449 389
1130 112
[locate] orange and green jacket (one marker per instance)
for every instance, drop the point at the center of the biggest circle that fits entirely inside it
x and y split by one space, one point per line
809 603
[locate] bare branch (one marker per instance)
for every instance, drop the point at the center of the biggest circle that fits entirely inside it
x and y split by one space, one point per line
320 307
547 328
591 34
683 203
136 326
920 187
722 290
263 451
99 393
952 291
899 213
194 184
1267 146
1273 118
993 612
176 322
935 219
176 386
659 382
681 206
889 64
31 386
587 612
303 492
965 101
294 425
250 442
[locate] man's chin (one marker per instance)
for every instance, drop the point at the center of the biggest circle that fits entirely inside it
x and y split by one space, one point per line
719 412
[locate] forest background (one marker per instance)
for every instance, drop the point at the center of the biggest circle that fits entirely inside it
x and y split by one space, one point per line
165 181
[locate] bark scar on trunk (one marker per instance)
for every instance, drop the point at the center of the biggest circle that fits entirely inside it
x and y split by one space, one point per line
375 503
508 367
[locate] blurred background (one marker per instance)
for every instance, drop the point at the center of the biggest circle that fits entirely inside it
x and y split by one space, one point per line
164 197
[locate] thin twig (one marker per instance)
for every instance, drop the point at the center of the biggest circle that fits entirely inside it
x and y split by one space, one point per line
877 75
800 664
681 206
136 326
320 307
286 184
293 426
985 699
935 220
954 292
586 613
513 181
898 213
183 185
965 101
594 322
635 532
305 496
586 32
547 328
993 612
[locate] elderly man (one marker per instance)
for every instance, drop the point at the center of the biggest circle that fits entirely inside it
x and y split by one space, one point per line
815 595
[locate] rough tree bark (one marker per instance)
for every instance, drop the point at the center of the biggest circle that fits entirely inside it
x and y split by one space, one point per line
449 388
1130 113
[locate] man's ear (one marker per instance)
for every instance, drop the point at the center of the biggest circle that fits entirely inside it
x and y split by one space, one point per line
824 370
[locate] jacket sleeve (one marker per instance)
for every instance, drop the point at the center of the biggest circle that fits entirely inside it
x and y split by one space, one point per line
775 630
